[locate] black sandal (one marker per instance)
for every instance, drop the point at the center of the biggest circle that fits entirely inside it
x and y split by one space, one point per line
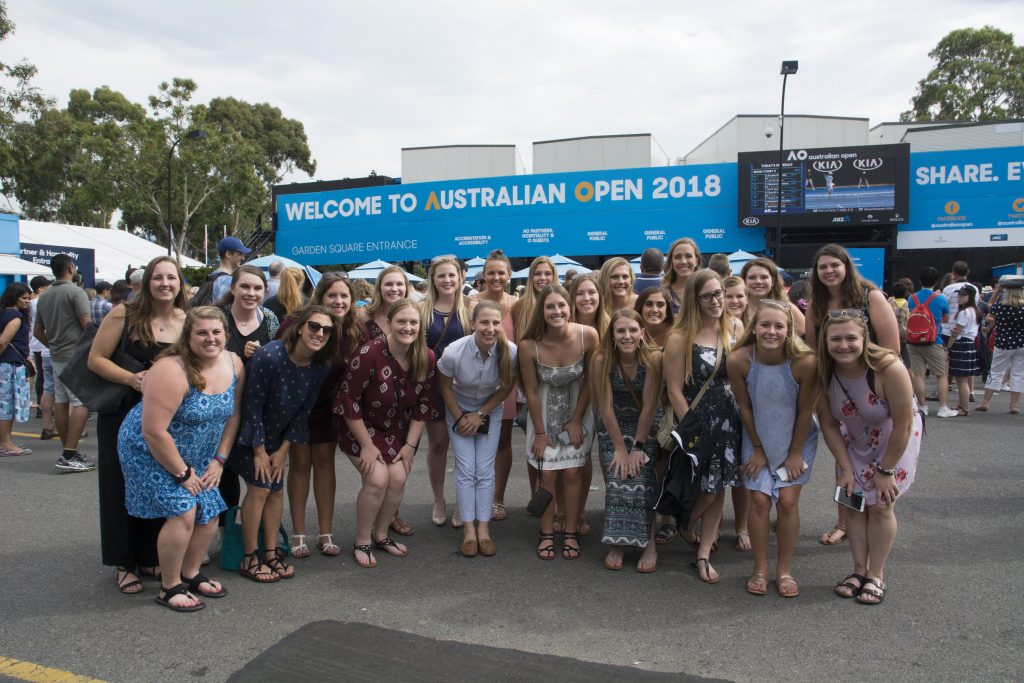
252 567
278 565
371 561
875 589
386 544
124 585
847 583
546 552
195 583
173 591
568 552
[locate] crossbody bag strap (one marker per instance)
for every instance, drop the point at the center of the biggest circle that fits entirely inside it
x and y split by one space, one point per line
710 379
628 383
845 392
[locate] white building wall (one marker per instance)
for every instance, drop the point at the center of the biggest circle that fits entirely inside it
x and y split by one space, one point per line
1009 134
747 133
598 153
457 162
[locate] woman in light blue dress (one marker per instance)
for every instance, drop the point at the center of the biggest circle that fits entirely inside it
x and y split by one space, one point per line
772 373
172 447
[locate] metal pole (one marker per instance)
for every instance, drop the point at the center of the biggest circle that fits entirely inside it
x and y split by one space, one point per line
170 225
778 189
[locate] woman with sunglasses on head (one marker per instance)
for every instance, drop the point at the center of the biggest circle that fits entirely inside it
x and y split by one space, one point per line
444 315
334 291
681 262
616 278
496 272
391 286
251 325
626 381
475 375
150 323
835 286
695 367
763 281
553 362
383 403
283 381
870 421
772 373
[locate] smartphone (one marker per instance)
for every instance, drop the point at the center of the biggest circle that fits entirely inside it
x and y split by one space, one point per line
563 437
783 475
854 502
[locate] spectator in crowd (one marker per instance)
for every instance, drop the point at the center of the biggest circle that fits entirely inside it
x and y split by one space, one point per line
101 303
61 315
41 356
924 357
289 296
651 263
720 264
951 291
274 281
1007 315
135 282
569 276
119 292
15 392
231 252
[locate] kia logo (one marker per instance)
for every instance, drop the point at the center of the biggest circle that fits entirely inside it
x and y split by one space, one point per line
751 220
867 164
827 166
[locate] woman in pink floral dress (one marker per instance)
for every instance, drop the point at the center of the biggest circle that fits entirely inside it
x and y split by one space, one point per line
871 423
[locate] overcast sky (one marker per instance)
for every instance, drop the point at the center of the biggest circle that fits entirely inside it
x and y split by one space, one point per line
367 79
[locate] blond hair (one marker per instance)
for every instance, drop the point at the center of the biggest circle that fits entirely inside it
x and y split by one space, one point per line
528 301
793 346
460 307
608 354
506 368
600 315
377 300
689 322
872 356
605 278
418 359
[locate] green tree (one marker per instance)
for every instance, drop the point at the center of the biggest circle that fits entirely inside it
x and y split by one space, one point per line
19 99
978 76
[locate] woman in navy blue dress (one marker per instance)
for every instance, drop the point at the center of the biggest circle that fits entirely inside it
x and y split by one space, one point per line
284 382
172 448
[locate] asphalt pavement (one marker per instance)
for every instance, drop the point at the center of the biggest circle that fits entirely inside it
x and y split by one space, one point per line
952 610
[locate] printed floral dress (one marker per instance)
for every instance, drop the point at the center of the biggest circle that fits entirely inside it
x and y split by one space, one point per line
719 414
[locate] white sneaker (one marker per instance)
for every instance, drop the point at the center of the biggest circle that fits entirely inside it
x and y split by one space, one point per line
923 409
946 412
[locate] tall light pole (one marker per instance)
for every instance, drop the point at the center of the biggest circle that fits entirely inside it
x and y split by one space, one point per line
196 134
788 67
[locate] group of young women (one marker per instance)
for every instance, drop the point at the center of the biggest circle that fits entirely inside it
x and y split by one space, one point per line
231 391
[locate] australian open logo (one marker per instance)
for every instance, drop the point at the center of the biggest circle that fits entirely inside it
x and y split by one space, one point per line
867 164
827 166
751 220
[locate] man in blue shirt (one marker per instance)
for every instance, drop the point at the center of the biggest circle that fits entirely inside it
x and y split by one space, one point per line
932 356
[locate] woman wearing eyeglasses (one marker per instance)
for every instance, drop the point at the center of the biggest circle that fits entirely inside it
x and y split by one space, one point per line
695 366
284 379
835 286
869 419
316 459
383 402
772 376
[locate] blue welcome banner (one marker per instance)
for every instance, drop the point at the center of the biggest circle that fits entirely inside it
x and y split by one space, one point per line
622 211
965 198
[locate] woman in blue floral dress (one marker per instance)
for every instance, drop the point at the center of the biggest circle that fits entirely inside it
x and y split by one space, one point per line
172 448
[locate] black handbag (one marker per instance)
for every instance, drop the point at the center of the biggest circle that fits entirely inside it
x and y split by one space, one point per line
98 394
542 498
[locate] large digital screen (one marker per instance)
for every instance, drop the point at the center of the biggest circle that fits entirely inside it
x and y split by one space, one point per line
827 186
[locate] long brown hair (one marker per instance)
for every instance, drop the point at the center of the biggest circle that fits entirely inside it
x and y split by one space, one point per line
647 294
229 298
182 349
536 326
300 317
377 301
609 354
527 303
689 322
600 315
418 350
670 273
853 291
872 356
506 368
778 291
138 313
348 331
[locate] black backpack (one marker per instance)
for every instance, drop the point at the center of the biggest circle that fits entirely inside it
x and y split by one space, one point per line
204 297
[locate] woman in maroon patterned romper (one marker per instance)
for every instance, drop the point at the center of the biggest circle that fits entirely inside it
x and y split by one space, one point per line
383 402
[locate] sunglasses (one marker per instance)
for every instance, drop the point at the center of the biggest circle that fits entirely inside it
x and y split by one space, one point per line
851 313
784 305
335 275
315 327
709 296
444 257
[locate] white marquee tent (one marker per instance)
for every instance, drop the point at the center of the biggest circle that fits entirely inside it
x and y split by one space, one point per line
115 249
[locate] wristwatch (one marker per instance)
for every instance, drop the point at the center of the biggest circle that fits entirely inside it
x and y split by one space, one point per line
184 476
882 470
638 446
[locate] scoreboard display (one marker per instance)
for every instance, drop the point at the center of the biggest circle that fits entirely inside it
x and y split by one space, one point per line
828 186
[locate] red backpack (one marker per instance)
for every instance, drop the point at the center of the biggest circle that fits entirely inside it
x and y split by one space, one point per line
921 322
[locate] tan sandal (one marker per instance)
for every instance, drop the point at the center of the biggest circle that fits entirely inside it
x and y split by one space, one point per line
757 584
787 586
834 537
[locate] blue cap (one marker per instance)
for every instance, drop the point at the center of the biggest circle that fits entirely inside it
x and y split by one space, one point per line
232 244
